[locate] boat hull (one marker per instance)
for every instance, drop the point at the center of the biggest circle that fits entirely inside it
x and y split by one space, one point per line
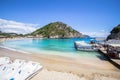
85 47
82 49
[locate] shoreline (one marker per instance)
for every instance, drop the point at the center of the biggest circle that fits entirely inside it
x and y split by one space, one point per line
79 66
12 49
47 52
82 67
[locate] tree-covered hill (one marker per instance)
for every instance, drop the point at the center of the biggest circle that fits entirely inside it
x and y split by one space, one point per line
56 30
115 33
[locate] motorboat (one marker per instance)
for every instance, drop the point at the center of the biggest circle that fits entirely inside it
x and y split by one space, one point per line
83 46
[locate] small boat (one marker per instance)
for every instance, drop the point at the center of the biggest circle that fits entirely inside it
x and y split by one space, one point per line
83 46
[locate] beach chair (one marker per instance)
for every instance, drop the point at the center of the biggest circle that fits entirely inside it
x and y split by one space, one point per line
13 69
4 60
18 70
24 71
29 69
4 63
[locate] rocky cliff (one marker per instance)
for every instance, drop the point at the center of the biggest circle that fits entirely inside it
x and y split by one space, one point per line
56 30
115 33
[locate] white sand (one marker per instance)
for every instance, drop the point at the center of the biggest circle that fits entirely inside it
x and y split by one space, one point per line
54 75
67 68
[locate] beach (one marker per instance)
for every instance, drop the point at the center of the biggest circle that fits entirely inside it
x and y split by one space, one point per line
81 68
60 40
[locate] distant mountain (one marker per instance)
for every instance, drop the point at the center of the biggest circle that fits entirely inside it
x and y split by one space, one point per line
115 33
86 36
9 35
56 30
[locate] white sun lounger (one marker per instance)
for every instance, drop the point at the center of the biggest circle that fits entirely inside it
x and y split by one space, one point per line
13 68
29 69
4 66
22 70
4 60
17 70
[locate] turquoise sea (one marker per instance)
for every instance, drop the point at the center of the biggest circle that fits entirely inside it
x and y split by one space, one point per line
50 46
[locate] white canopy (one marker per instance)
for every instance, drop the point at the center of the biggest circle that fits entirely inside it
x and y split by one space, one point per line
82 43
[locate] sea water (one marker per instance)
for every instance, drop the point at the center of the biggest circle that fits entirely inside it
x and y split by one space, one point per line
50 46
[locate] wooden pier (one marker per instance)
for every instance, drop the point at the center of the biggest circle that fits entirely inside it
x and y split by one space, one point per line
115 62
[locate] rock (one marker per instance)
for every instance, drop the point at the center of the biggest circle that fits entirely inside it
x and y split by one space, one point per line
115 33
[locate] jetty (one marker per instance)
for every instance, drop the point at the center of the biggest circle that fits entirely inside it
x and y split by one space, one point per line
114 61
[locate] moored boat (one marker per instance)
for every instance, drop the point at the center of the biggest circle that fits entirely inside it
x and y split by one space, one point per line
83 46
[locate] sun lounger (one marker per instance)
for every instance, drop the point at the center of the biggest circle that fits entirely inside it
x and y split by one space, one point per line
13 68
26 71
4 60
4 63
19 70
29 69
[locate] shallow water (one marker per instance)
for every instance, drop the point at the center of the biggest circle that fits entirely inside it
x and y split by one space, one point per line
50 46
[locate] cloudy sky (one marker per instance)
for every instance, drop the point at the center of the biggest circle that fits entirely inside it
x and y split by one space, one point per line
91 17
16 27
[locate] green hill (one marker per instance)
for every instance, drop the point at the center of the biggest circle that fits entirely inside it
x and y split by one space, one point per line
9 35
56 30
115 33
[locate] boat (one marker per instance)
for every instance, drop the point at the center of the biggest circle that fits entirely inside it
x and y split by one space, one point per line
83 46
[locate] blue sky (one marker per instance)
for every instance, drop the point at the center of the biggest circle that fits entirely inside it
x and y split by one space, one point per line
92 17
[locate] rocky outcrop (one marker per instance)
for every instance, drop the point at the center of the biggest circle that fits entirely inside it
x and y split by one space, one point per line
57 30
115 33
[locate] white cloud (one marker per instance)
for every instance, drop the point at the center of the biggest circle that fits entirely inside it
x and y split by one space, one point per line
16 27
101 33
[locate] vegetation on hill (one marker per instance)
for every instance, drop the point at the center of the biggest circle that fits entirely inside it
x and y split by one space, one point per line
116 29
56 30
115 33
10 35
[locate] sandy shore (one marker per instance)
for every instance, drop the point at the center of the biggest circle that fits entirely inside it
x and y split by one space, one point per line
68 68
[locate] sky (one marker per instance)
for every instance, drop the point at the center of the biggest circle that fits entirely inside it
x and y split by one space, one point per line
91 17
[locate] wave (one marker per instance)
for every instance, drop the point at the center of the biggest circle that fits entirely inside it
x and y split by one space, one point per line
15 49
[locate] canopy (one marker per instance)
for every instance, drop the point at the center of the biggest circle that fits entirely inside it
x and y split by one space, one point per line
82 43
